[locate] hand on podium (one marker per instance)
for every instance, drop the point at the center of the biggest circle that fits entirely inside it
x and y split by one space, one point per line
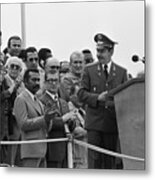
102 96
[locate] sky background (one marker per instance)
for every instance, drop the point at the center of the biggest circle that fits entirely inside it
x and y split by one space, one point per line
67 27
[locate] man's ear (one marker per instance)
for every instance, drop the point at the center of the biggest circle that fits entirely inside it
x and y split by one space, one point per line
112 51
25 83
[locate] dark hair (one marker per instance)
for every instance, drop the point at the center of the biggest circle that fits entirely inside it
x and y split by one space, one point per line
27 72
42 54
86 51
5 51
29 49
22 54
64 69
0 33
13 37
88 60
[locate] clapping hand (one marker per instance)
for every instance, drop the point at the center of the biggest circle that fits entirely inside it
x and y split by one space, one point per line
49 115
69 116
15 85
18 81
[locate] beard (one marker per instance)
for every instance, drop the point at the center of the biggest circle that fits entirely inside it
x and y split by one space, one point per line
35 89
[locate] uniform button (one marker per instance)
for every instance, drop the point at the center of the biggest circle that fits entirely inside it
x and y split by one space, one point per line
106 107
106 84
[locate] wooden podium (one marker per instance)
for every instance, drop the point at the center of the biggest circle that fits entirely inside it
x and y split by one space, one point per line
130 112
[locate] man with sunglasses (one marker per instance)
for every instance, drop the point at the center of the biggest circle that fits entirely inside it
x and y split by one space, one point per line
99 78
3 121
31 58
4 135
12 86
32 62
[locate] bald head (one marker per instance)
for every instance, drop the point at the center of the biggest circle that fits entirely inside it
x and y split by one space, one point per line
52 63
77 63
76 55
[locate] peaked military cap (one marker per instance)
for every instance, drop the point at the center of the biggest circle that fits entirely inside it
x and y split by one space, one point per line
103 40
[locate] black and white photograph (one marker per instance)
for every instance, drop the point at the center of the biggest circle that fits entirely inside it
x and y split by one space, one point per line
72 85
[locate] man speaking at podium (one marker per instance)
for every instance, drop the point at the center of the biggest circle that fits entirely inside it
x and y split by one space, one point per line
99 78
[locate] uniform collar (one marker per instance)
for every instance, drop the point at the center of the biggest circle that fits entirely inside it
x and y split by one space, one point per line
108 66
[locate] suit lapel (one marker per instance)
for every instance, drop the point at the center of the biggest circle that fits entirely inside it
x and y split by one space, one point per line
40 108
36 105
48 98
63 107
51 103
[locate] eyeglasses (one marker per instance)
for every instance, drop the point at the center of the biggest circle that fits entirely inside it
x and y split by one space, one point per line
52 80
16 45
14 66
77 62
55 67
33 59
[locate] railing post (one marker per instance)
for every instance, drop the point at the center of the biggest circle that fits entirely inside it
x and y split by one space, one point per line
69 148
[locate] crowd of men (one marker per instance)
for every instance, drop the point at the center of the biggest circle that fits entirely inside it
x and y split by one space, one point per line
40 96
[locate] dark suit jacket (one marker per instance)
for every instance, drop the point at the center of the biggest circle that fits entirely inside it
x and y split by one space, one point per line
7 120
100 116
32 126
56 151
4 94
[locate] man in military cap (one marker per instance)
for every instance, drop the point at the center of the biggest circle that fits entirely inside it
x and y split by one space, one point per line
99 78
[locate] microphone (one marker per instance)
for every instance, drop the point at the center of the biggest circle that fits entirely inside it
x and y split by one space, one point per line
136 58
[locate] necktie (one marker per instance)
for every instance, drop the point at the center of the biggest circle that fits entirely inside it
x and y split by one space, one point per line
106 71
56 101
35 99
36 102
56 98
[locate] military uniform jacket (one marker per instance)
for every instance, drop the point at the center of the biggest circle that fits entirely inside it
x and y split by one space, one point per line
100 116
